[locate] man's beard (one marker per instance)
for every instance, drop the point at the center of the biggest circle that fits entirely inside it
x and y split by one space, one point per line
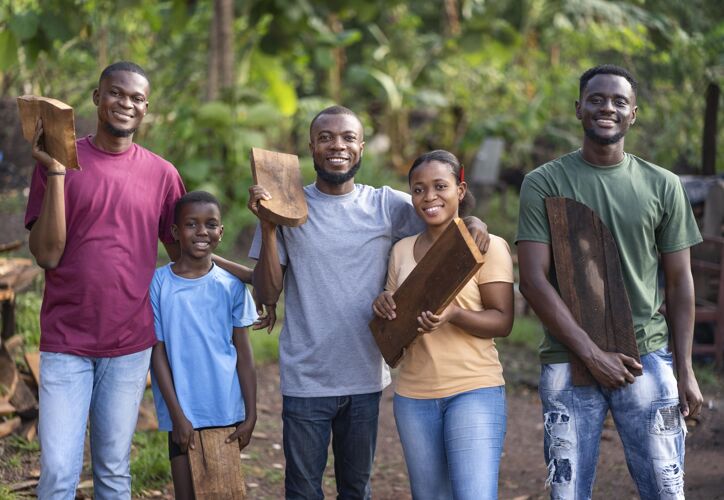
603 141
335 178
117 132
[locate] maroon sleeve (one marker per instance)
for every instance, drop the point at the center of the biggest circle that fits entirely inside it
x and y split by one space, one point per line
35 198
174 190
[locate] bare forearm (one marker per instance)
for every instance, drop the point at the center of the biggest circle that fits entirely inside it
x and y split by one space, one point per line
483 324
164 379
240 271
246 372
268 275
556 317
48 234
680 307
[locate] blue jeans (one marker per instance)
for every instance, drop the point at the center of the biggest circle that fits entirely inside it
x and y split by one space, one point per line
453 445
308 423
647 418
72 388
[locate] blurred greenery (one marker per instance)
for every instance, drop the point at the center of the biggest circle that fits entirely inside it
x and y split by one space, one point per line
150 466
422 75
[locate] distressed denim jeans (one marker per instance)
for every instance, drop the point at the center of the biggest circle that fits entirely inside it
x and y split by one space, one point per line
72 388
453 445
351 421
647 417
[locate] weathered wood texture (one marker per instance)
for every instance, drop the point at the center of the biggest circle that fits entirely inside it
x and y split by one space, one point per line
58 126
8 376
32 359
444 270
216 466
590 281
279 173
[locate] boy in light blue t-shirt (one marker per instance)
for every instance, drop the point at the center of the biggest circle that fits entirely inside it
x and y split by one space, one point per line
202 366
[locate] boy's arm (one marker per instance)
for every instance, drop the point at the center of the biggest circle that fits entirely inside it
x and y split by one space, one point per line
183 431
247 380
48 234
680 307
610 369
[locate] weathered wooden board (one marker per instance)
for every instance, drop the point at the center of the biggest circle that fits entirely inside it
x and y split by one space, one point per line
24 401
279 173
216 466
444 270
590 281
8 376
58 126
32 359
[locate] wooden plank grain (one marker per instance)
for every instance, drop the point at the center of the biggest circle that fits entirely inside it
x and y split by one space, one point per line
279 173
216 466
439 276
590 281
58 126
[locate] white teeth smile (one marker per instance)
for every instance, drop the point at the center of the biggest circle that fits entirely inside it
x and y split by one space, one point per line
121 116
337 161
201 244
431 211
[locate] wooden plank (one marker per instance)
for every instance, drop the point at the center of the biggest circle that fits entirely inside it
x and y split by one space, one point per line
439 276
216 466
28 429
33 361
6 408
279 173
9 426
8 376
590 281
24 401
58 126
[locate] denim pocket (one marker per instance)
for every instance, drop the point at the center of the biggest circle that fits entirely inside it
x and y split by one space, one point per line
665 417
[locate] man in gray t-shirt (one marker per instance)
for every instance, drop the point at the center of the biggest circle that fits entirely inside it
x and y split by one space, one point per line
331 268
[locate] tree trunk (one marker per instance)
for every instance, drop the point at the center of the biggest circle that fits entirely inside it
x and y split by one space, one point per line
708 147
221 49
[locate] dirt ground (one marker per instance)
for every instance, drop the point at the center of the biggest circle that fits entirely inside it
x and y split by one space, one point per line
522 472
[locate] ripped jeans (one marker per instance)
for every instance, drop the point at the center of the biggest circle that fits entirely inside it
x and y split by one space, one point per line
647 418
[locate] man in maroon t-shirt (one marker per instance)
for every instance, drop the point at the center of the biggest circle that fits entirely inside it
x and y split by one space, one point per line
95 231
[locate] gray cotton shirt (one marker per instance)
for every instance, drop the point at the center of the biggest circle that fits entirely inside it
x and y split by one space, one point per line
336 264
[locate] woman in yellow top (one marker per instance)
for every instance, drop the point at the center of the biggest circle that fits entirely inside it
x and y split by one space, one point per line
450 397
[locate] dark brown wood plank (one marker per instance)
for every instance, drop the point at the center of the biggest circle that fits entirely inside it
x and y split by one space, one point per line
216 466
58 126
24 401
590 281
8 376
444 270
279 173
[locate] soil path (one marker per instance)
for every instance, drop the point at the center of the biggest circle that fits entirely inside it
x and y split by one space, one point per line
522 472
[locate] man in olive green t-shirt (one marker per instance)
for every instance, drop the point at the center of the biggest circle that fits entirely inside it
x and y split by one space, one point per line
647 211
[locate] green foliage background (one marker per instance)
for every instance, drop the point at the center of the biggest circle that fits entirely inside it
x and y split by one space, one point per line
420 79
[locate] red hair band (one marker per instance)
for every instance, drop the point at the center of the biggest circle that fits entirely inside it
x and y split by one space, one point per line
462 173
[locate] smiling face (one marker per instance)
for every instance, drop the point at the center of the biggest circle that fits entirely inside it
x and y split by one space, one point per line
122 101
198 229
436 195
607 108
336 143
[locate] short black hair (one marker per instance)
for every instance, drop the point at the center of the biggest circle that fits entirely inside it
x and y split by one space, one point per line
468 202
194 197
606 69
333 110
122 66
